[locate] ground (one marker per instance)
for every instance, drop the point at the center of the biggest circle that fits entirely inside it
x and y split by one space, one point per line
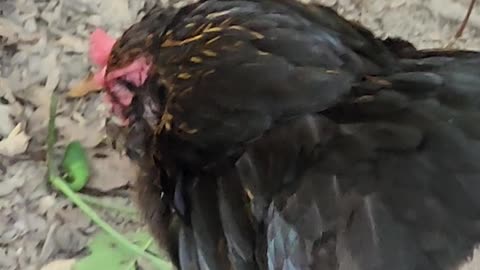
43 48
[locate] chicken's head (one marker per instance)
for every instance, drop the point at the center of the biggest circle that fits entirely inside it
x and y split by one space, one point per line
119 70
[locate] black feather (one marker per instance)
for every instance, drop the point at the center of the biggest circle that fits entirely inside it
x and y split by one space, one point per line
297 140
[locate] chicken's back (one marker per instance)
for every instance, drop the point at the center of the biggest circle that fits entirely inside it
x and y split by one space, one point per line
388 181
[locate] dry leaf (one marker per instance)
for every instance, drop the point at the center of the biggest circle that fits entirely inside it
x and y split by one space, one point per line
69 240
13 33
9 31
5 90
85 87
6 123
23 175
49 245
60 265
15 143
33 172
9 184
8 257
111 171
75 217
115 13
52 80
73 43
45 203
38 120
90 134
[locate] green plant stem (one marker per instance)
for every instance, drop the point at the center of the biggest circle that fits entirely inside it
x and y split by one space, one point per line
58 183
61 185
144 247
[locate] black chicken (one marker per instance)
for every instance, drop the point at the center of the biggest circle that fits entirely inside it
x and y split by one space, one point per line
275 135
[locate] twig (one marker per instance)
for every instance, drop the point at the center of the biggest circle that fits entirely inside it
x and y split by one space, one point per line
463 25
465 20
44 253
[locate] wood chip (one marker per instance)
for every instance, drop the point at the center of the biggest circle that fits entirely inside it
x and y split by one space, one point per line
85 87
15 143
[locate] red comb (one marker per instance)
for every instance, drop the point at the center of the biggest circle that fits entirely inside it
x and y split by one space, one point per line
100 47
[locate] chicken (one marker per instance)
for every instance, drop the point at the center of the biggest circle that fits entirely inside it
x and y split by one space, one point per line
276 135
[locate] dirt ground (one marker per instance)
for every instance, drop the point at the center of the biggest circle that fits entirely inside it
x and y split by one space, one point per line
43 47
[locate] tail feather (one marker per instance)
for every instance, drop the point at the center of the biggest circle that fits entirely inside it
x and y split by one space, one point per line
187 249
207 229
236 221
